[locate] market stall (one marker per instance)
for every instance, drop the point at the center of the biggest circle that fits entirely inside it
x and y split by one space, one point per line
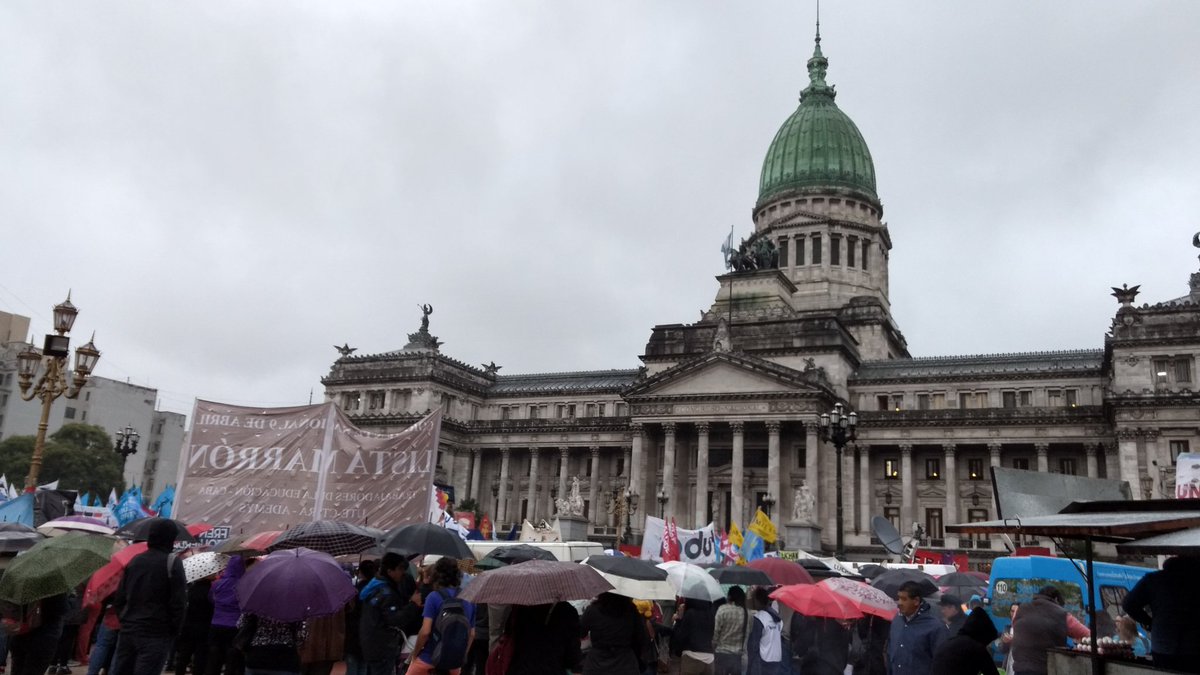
1119 522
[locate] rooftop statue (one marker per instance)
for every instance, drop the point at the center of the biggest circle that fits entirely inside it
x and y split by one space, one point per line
345 350
755 253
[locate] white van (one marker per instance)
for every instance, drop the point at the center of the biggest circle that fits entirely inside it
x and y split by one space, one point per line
574 551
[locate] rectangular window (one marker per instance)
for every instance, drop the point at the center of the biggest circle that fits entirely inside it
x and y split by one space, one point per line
560 410
783 252
534 412
816 249
1177 449
84 416
972 400
375 400
571 411
1021 463
587 468
1183 369
892 513
1067 466
620 410
1026 398
891 469
601 408
350 400
1054 398
505 412
851 245
799 251
1009 399
1071 397
922 401
937 401
69 413
933 524
835 250
620 466
1162 370
591 410
866 246
933 469
87 396
975 469
882 401
897 402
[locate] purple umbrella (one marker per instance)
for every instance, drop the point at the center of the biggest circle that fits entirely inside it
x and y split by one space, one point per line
295 584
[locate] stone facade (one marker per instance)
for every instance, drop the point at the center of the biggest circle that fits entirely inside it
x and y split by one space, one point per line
723 415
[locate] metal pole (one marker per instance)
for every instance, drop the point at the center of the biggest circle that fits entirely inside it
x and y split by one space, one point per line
49 393
839 548
1097 666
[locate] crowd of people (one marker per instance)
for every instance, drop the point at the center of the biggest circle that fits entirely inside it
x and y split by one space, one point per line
409 619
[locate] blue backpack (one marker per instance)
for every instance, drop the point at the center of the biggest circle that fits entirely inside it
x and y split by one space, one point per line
451 629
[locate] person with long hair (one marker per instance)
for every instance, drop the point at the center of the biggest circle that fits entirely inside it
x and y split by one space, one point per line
444 578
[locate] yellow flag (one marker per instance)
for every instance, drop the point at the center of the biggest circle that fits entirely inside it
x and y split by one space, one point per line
735 535
763 527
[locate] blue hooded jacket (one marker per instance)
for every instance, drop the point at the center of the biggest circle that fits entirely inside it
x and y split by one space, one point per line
912 642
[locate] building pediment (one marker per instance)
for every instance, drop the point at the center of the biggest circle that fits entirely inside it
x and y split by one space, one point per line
730 374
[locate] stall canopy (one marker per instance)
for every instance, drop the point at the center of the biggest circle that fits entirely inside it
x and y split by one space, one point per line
1183 542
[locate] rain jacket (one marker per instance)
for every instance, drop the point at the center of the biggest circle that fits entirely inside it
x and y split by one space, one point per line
755 664
1173 597
912 642
1040 624
152 596
967 652
226 609
694 630
387 611
619 637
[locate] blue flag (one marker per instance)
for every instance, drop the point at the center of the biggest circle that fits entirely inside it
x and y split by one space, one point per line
752 547
19 510
163 503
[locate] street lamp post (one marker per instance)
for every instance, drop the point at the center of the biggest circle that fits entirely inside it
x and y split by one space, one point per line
768 503
126 445
663 497
53 382
839 428
631 502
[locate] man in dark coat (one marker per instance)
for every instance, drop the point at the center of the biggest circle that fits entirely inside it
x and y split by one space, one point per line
967 652
952 613
150 603
1040 625
545 639
391 604
916 633
618 635
1172 597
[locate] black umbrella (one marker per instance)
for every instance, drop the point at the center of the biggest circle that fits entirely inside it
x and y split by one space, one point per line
871 571
328 536
425 539
511 555
741 576
630 568
890 582
15 537
139 530
961 583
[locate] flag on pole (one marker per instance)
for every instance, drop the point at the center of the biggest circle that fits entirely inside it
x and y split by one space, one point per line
735 535
670 542
763 527
163 503
752 548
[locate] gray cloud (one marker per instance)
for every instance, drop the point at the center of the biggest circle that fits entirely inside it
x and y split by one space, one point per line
231 188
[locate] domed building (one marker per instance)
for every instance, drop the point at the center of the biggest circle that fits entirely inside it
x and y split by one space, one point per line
724 415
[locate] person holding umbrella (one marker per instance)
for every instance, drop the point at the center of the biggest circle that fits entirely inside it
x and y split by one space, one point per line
271 647
226 612
391 607
150 604
619 637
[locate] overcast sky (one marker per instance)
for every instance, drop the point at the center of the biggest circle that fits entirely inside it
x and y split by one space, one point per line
232 188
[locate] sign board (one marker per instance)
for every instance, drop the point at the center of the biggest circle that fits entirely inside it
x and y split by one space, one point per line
247 470
1187 476
695 546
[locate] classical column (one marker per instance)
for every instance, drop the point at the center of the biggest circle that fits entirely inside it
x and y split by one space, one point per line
1156 463
625 467
531 496
736 507
593 490
564 461
1127 456
1090 450
812 471
864 489
702 514
1111 470
668 478
773 471
637 469
1043 457
908 497
851 489
994 453
951 471
476 469
448 464
502 516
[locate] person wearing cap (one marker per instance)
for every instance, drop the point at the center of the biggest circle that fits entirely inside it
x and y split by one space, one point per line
150 603
952 613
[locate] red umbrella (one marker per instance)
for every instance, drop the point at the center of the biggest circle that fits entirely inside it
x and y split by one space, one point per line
783 572
106 579
817 601
253 544
197 529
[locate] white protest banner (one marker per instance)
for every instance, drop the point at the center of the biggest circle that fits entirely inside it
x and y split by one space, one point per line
1187 476
695 546
253 469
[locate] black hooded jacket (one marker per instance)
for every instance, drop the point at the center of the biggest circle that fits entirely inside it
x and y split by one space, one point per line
1172 597
151 599
967 652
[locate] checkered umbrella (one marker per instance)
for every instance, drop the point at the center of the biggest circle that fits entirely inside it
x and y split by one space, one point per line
327 536
537 582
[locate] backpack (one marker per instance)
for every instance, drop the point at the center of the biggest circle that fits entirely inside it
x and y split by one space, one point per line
451 629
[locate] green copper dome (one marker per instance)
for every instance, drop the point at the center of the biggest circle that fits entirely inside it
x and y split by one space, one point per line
818 146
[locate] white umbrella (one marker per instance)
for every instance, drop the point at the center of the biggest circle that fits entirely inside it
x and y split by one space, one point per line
203 564
60 526
633 578
692 581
